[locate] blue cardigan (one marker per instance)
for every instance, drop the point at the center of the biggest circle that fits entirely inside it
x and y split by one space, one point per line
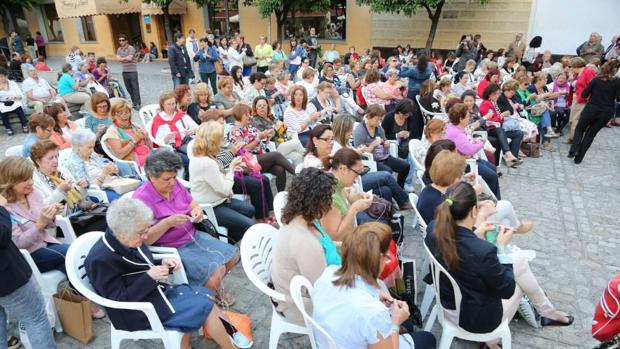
416 77
206 64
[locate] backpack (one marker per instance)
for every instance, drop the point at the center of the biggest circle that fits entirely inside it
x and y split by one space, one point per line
606 322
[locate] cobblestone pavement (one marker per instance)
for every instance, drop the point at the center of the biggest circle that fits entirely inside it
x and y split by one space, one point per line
574 209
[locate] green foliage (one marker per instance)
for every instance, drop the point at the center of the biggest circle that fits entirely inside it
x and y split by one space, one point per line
406 7
25 4
164 3
282 7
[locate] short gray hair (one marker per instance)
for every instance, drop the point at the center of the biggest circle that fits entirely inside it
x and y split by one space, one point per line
81 136
81 65
125 214
391 72
160 161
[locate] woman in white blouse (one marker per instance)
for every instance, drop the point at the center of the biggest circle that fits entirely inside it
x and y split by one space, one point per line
211 184
353 306
11 102
298 118
235 58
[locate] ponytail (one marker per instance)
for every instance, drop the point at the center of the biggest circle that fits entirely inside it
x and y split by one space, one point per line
327 162
445 234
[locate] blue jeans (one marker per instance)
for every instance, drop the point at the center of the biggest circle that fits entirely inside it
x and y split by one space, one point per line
26 304
50 257
111 194
247 71
392 164
236 216
182 80
545 121
488 172
383 184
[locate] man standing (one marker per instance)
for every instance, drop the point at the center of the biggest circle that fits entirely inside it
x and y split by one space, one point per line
180 64
126 54
17 44
313 45
516 48
191 45
583 76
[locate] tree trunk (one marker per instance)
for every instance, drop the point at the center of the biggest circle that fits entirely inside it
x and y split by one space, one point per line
434 24
167 25
7 19
227 17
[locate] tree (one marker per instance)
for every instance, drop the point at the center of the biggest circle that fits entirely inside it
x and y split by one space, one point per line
8 7
165 6
409 8
282 9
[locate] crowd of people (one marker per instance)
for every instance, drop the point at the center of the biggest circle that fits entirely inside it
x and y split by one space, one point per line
332 131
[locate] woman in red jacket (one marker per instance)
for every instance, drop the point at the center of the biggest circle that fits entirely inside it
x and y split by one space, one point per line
494 121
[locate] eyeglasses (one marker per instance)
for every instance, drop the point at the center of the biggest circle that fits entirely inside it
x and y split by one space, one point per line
359 173
121 40
327 139
123 113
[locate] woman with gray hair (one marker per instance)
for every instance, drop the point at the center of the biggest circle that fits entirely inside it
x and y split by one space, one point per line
591 49
85 163
121 268
82 75
206 259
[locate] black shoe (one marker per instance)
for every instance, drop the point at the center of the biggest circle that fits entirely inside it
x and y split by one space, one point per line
571 155
545 321
9 132
578 160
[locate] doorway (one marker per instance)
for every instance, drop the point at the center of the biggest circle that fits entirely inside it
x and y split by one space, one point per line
128 24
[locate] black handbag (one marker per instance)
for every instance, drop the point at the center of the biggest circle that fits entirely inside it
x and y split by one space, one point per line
405 291
208 227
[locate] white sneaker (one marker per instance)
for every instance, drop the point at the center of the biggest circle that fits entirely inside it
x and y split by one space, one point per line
409 188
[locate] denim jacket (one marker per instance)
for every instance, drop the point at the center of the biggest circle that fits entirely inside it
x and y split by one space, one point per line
416 77
205 64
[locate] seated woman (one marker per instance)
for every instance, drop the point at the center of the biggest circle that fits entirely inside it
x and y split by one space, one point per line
511 102
435 130
11 102
263 120
226 98
257 88
84 163
398 125
63 127
491 77
494 121
370 134
380 182
298 118
491 290
104 77
32 218
98 120
309 82
206 259
427 100
540 93
253 141
121 268
69 89
212 185
324 103
201 103
375 93
183 96
442 92
173 126
470 148
319 147
82 76
347 207
353 306
309 199
125 140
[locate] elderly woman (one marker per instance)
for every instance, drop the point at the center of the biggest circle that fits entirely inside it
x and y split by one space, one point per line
82 76
226 98
298 117
211 184
121 268
375 93
257 88
68 88
84 163
125 140
98 120
202 102
63 127
350 303
370 134
309 199
253 141
263 120
11 102
206 259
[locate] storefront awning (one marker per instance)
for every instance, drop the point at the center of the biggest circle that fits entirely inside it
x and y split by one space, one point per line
177 7
79 8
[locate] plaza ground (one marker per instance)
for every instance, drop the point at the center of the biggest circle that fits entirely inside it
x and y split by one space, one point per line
574 209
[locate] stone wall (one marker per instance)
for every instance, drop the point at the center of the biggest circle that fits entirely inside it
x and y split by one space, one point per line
497 22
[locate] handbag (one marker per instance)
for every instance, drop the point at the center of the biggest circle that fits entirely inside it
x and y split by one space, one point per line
237 325
381 209
184 142
121 185
404 290
531 150
74 314
606 321
219 67
249 61
208 227
250 161
511 124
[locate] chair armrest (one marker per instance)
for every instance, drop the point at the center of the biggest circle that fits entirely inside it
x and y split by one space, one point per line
98 194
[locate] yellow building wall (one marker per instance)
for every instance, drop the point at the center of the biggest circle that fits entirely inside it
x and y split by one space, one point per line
193 19
497 22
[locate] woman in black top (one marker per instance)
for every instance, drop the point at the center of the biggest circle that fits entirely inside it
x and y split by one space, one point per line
398 124
202 102
18 292
602 90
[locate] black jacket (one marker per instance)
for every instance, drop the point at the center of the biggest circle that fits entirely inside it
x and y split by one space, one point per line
388 124
179 61
483 281
118 274
14 270
602 94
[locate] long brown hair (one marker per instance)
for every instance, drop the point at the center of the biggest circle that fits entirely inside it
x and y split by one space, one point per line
362 250
53 110
460 198
609 70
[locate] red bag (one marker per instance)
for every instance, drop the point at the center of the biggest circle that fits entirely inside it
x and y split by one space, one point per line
250 161
392 264
606 322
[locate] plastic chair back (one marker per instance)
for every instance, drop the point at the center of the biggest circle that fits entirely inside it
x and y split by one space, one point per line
279 202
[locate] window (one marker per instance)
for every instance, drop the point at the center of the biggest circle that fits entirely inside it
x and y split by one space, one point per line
329 25
218 17
87 32
52 22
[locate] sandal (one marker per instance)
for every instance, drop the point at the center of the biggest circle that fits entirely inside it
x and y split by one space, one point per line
13 343
225 300
512 163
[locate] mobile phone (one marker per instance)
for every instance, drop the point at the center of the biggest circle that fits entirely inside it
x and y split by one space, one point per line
170 270
63 202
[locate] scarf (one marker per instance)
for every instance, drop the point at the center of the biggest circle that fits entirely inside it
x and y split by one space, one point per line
159 121
124 136
73 195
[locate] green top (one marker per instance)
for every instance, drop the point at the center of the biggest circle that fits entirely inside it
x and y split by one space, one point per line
524 96
263 55
339 199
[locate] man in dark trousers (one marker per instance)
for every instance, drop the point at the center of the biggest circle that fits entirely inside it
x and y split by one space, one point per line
126 54
180 64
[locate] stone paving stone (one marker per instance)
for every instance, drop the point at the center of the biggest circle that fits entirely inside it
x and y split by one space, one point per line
574 209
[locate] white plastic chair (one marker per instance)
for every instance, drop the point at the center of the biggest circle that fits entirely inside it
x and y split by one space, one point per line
81 122
15 150
429 291
65 226
77 275
394 149
210 213
147 113
429 114
414 144
48 282
450 329
299 168
297 284
148 127
279 202
134 165
93 190
256 254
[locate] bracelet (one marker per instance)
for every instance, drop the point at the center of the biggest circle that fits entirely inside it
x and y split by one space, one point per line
395 328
